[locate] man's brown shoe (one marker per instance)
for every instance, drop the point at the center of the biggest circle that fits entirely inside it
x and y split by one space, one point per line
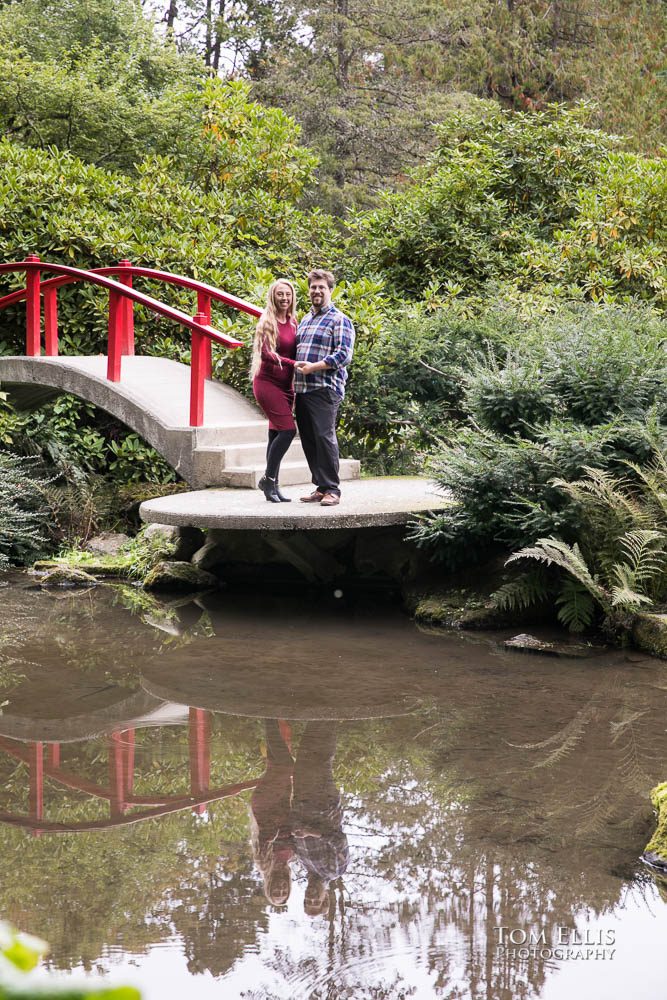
313 497
329 500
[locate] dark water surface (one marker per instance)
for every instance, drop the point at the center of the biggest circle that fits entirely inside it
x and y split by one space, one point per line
163 762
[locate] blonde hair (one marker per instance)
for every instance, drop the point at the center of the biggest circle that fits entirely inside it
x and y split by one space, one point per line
271 870
266 332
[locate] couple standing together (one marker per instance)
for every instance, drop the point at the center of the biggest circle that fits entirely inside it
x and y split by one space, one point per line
299 371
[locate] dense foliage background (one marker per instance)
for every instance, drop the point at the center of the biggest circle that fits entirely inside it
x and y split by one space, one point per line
487 180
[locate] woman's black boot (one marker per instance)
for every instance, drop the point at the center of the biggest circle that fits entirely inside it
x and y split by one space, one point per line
268 488
281 496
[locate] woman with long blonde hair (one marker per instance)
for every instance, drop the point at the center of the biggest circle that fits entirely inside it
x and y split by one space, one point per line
271 837
272 373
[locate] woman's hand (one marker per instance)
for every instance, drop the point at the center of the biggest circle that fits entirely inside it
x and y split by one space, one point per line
308 367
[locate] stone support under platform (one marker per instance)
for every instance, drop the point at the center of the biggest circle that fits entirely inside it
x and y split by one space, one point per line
250 541
365 503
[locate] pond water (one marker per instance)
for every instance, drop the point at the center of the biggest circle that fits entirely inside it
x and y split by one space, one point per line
259 798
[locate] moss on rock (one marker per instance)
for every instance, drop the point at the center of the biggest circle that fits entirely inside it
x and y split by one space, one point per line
179 576
110 566
67 576
460 609
655 853
649 633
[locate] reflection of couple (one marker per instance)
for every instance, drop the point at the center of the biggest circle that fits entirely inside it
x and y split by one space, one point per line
296 812
309 362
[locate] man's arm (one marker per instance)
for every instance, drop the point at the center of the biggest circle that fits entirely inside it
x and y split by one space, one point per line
343 343
341 355
308 367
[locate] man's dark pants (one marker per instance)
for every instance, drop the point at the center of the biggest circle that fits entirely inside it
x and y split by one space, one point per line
316 414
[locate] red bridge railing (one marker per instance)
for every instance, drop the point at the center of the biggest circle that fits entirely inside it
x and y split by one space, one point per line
125 808
122 299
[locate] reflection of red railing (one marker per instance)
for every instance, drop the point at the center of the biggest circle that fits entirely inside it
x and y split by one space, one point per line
122 297
119 791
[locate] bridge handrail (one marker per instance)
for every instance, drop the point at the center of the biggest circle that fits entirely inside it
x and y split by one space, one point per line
122 297
85 826
140 272
78 274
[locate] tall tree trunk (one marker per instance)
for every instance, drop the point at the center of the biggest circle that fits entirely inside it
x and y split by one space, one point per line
555 26
171 14
343 55
209 32
217 45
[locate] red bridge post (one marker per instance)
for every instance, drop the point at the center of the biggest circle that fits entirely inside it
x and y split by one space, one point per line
128 736
117 773
128 306
51 322
199 734
198 372
33 308
204 306
36 788
116 310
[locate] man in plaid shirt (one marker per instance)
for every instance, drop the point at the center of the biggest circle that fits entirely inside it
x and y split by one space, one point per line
325 340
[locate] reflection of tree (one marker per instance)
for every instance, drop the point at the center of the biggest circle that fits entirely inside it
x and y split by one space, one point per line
70 631
491 827
615 719
219 916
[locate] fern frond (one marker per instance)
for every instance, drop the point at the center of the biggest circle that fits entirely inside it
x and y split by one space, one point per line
625 597
521 593
593 815
627 719
654 478
576 607
576 725
554 551
609 496
642 549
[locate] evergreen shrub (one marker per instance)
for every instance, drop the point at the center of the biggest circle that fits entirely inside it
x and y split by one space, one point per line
583 387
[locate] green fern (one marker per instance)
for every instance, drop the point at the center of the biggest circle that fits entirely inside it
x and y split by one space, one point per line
576 607
607 496
623 593
553 551
523 592
645 554
654 478
645 563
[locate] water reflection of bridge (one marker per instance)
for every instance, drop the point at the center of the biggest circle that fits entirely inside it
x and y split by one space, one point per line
176 688
43 760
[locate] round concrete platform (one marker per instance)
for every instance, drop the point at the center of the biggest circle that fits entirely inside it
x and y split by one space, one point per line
365 503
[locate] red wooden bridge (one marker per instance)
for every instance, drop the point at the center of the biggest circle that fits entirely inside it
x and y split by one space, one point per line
126 808
208 432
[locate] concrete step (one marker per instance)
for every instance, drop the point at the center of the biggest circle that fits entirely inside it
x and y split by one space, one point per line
255 454
244 432
291 474
210 463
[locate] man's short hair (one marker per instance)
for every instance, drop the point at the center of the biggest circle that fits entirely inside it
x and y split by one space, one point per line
319 275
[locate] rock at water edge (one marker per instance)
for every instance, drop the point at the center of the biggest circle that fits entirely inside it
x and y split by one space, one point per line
179 576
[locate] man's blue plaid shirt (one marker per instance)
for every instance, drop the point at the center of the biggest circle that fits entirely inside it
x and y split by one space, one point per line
324 336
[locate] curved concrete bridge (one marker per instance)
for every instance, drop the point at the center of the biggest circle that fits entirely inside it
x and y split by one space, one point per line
153 399
209 433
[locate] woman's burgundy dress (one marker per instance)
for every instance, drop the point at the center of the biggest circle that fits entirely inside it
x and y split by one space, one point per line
272 385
